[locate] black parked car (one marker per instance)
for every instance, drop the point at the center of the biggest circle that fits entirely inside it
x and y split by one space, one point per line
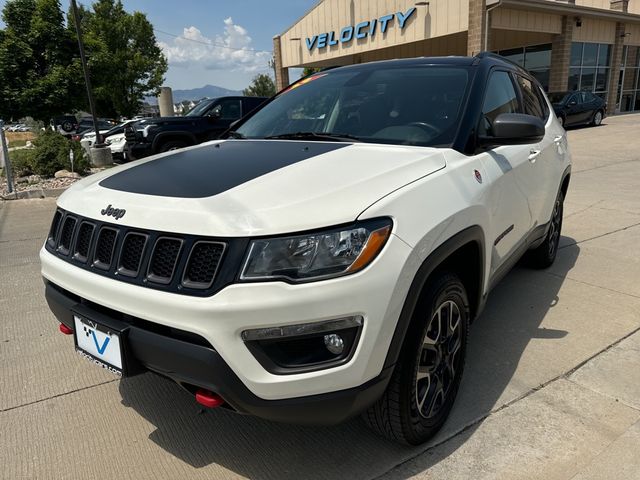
206 121
64 124
578 108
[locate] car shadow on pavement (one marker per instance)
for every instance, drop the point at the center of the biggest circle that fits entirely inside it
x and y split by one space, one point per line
255 448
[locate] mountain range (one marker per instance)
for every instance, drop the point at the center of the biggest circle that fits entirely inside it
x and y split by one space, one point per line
210 91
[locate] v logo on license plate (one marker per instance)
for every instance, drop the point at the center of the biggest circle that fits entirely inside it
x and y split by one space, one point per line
102 348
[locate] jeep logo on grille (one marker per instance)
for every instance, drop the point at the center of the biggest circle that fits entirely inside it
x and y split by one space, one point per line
116 213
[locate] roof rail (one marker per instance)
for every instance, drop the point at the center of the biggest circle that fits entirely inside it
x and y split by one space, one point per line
500 58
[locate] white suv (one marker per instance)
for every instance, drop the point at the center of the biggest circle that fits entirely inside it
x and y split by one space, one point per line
326 257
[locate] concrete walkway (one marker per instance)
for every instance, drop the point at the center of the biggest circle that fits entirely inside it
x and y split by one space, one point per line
551 390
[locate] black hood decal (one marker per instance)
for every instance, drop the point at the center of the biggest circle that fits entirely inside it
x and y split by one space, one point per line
213 169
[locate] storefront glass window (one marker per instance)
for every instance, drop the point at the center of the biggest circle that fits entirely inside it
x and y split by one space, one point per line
629 84
604 55
583 74
587 80
516 55
576 53
574 79
602 80
535 58
590 54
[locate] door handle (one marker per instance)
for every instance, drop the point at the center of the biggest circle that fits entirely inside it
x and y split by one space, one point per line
558 139
533 154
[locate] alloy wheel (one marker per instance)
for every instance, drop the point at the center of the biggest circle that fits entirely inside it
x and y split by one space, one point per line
438 360
554 228
597 120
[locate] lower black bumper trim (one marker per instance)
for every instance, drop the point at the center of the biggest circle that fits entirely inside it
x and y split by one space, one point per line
200 366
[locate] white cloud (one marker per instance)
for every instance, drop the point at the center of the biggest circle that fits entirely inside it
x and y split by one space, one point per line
230 51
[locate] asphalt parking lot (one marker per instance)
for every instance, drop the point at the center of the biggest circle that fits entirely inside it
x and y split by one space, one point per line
551 390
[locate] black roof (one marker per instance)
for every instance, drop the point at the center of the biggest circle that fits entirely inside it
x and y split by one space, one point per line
484 57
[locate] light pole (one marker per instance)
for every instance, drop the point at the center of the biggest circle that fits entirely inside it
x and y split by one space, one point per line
5 157
85 68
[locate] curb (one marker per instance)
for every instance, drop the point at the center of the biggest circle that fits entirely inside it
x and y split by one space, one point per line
36 193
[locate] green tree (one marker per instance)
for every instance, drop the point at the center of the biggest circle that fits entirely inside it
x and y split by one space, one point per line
38 73
261 86
125 61
306 71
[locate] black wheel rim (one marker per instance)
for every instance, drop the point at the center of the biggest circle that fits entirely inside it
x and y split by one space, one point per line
554 228
438 360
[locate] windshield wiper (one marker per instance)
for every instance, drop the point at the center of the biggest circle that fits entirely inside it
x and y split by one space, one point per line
340 137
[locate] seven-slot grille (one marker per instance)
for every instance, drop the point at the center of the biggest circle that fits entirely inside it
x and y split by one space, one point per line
156 260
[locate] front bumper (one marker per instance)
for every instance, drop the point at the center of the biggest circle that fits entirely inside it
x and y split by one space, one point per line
193 363
376 294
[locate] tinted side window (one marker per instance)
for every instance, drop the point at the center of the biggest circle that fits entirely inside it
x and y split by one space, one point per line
500 97
530 100
228 109
543 102
583 98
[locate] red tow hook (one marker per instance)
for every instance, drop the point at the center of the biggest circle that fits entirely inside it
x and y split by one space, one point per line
208 399
66 330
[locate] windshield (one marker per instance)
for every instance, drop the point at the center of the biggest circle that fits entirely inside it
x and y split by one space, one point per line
416 105
558 97
199 109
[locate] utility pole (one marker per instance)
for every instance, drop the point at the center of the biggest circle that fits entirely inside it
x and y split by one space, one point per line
5 157
85 68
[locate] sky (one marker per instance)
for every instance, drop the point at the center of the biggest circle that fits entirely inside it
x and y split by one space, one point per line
224 43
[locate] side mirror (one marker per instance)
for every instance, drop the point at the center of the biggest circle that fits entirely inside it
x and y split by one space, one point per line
572 103
514 129
215 114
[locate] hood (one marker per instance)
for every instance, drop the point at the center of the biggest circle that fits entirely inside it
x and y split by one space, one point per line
92 134
167 120
238 188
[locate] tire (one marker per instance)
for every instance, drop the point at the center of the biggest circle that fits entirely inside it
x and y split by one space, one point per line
412 409
597 118
544 255
172 145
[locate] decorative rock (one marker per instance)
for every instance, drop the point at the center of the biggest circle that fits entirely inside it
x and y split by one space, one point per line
34 179
66 174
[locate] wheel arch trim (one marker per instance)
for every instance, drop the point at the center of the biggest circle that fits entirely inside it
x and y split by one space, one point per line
173 135
470 235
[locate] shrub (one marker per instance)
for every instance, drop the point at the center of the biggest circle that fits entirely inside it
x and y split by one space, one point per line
51 153
21 161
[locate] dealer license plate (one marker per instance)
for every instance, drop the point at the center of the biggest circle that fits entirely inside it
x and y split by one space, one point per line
98 344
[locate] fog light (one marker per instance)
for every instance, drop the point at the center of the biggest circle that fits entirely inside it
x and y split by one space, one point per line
305 347
334 343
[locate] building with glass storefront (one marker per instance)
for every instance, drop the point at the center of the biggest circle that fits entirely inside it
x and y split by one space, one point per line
590 45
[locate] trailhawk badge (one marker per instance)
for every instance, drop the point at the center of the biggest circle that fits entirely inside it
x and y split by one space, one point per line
116 213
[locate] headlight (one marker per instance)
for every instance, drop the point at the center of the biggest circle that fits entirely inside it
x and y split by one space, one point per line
115 140
316 256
